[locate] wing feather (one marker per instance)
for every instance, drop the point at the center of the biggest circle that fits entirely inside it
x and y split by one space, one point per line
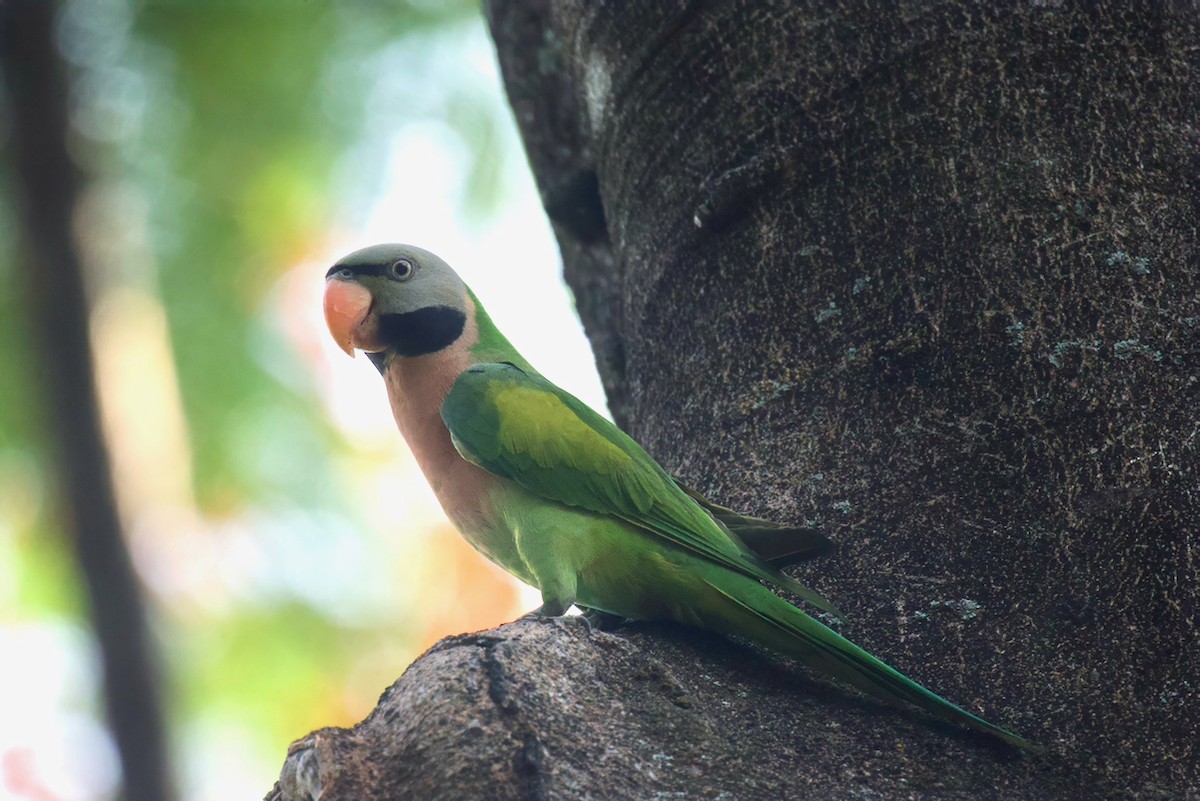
520 426
777 544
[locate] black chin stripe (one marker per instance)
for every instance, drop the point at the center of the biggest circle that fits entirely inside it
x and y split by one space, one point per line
422 331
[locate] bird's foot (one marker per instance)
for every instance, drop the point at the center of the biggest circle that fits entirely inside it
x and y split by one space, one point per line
552 608
592 619
546 612
599 620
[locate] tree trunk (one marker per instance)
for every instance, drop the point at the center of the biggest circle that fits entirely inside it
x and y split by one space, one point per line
47 184
928 275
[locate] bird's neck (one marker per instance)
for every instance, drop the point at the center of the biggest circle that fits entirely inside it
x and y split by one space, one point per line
489 344
417 385
416 388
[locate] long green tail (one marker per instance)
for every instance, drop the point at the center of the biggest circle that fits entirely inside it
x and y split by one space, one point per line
816 644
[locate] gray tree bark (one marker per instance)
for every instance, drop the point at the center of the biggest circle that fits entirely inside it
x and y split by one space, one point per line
926 273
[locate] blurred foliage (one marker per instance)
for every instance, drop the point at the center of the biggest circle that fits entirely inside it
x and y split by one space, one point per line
221 141
263 99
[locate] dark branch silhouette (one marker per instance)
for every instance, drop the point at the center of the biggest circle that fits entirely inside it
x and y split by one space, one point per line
48 185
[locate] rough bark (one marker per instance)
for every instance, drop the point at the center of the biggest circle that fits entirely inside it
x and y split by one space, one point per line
926 273
551 710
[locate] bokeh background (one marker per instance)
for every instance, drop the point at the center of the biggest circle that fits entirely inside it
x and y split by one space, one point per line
293 558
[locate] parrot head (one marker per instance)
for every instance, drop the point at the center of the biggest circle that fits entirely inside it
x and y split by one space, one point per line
394 299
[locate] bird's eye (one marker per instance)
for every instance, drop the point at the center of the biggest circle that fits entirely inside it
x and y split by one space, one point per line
401 269
345 273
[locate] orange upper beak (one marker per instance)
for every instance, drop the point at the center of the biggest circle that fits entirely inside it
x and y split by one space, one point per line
346 306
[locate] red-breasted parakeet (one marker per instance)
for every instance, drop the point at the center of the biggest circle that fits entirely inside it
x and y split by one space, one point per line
562 498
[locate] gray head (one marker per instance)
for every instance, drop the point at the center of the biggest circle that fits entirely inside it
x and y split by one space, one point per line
394 299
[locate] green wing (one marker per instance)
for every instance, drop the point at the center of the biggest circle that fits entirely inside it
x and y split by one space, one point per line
520 426
777 544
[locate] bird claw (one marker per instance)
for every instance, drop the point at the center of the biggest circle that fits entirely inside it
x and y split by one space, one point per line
599 620
592 619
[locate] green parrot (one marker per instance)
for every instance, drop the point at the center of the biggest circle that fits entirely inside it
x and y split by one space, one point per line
563 499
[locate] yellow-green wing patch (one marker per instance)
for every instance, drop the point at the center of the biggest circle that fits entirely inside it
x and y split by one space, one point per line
519 425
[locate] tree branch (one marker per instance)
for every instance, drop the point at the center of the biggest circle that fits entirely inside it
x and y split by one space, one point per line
59 311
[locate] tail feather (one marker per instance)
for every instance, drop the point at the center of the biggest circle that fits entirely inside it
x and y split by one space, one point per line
816 644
